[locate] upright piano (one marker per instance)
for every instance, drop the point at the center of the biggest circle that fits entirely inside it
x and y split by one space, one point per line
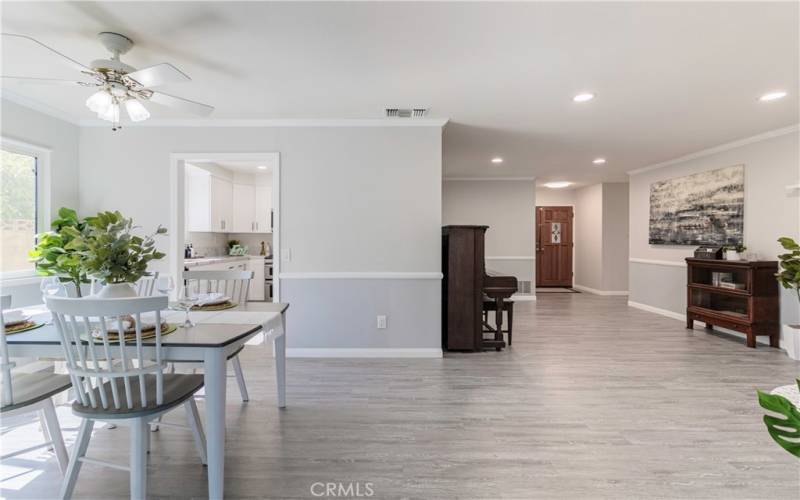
464 287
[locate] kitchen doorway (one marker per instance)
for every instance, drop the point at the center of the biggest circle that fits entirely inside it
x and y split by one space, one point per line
218 198
554 246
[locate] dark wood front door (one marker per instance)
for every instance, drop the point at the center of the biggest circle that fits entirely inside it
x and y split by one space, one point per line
554 246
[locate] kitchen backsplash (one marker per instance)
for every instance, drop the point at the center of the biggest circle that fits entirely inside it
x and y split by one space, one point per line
216 244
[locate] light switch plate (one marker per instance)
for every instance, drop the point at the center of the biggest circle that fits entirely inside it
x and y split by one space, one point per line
286 255
381 321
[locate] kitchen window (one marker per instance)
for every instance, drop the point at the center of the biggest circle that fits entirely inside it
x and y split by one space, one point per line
22 207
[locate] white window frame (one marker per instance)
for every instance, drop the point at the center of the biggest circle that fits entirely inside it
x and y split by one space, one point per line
43 202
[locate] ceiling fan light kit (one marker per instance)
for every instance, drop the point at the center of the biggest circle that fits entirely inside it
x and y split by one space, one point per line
120 84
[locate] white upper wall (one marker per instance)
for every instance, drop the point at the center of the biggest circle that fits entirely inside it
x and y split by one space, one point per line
508 208
352 198
546 197
770 166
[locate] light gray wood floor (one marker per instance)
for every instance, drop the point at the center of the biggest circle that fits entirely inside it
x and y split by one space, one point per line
594 400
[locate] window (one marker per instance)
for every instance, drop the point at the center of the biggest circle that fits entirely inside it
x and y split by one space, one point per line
18 210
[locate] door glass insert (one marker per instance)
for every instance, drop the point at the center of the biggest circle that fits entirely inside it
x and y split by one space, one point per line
555 232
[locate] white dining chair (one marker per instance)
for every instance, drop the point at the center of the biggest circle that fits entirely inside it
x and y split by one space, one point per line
146 286
31 392
233 284
119 380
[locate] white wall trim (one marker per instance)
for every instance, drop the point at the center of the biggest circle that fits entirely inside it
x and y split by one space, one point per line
657 310
277 122
39 106
358 352
446 179
362 276
718 149
599 292
523 297
510 257
671 263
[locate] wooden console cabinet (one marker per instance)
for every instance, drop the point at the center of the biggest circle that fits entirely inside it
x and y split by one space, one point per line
751 308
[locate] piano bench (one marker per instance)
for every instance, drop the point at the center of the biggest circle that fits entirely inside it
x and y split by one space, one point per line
508 307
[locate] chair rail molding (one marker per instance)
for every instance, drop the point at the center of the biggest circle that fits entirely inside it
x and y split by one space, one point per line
347 275
672 263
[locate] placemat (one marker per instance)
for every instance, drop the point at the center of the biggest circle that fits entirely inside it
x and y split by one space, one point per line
165 330
216 307
23 327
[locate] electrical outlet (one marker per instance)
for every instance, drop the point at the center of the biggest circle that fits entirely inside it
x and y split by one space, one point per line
381 321
286 255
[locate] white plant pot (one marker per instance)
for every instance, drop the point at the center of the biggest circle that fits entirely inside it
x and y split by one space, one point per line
790 340
117 291
732 255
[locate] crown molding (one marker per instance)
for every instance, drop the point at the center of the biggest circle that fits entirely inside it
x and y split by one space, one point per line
37 106
446 179
718 149
278 122
227 122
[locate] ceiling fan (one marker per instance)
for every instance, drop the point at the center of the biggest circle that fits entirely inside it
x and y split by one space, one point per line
118 84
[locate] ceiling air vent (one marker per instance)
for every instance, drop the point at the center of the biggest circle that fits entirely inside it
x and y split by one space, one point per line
406 112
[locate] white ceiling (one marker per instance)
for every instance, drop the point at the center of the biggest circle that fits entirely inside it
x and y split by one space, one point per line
670 78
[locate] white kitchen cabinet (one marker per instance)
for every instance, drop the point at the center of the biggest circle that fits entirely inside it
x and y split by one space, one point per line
244 208
263 209
221 205
209 202
256 292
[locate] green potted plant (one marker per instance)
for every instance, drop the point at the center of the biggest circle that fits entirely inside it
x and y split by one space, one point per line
788 276
57 251
112 254
735 252
787 422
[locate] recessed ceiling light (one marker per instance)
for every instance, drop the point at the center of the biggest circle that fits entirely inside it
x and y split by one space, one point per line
497 160
599 161
557 184
771 96
262 167
583 97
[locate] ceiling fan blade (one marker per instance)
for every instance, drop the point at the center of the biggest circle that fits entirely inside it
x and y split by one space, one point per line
159 74
181 104
48 81
68 60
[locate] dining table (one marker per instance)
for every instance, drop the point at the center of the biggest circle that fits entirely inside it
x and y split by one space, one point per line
215 336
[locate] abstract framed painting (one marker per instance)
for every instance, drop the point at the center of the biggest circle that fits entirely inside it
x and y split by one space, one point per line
706 208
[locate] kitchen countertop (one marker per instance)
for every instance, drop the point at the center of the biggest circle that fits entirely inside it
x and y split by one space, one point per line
204 261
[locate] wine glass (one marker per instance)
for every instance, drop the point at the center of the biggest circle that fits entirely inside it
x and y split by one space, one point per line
187 297
50 286
165 285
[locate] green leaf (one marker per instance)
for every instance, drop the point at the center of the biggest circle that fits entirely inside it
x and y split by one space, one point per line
782 428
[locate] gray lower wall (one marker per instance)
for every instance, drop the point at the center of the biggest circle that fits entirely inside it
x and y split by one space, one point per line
658 286
342 313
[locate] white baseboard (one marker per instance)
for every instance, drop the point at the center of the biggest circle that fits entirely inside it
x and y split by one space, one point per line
657 310
524 297
599 292
682 317
368 352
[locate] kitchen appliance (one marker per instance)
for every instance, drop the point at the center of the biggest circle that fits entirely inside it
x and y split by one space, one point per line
268 279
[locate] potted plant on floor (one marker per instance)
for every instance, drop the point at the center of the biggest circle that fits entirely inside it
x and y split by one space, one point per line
788 276
735 252
114 255
57 251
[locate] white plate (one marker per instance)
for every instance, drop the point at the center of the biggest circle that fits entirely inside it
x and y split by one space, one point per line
12 318
211 299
